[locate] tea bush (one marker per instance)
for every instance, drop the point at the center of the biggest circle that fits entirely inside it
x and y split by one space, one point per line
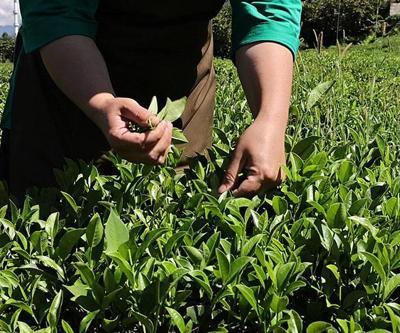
152 249
222 29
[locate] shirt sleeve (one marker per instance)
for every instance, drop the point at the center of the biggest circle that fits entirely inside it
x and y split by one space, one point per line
266 21
44 21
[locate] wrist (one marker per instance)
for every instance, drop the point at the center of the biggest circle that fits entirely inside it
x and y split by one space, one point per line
97 108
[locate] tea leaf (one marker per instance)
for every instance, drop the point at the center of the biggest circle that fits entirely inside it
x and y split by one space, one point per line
177 319
94 231
248 294
116 232
318 92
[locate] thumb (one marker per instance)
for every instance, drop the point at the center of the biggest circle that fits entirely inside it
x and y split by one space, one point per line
133 111
231 174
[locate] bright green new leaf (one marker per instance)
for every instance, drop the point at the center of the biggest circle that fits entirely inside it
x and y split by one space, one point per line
87 320
177 319
53 315
223 265
318 327
392 284
173 110
376 264
68 241
24 328
116 232
248 294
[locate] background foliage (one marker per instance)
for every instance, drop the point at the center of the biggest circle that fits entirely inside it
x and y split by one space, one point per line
349 20
222 28
6 48
152 249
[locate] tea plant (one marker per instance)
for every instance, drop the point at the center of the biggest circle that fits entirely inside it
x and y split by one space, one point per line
152 249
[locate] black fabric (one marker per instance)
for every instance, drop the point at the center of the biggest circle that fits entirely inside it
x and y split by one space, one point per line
4 155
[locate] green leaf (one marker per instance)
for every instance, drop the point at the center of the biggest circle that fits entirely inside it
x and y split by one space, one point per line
178 137
68 241
116 232
392 284
71 202
278 304
318 92
283 274
145 321
337 215
24 328
54 312
248 294
280 205
177 319
346 170
66 327
334 270
52 264
237 266
305 147
250 244
223 265
195 254
94 231
318 327
376 264
153 108
173 110
87 320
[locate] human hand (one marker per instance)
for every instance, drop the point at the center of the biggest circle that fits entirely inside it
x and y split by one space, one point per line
259 154
114 116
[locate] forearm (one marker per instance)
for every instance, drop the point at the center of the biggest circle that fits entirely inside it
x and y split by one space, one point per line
78 69
266 71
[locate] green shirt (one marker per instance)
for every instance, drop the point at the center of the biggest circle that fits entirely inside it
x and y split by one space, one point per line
253 21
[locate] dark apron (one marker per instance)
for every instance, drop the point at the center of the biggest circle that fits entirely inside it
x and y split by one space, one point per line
158 48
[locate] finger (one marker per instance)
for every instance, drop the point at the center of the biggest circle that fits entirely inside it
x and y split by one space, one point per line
231 174
248 188
160 150
133 111
153 137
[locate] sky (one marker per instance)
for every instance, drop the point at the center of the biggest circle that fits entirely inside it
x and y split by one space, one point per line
6 12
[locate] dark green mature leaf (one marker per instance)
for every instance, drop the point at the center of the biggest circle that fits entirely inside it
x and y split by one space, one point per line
94 231
337 215
53 315
305 147
116 232
68 241
144 320
248 294
223 265
237 266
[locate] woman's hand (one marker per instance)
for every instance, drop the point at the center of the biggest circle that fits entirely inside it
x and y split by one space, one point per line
259 155
114 116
